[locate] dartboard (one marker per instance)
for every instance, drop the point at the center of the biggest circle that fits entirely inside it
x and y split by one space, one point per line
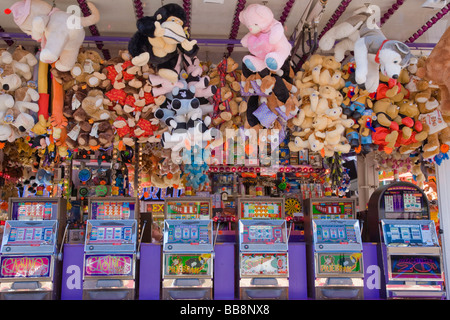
291 206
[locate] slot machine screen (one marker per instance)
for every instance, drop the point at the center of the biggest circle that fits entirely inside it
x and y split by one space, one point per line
332 210
31 210
112 210
188 233
261 210
403 202
110 234
29 235
268 234
345 234
413 233
185 209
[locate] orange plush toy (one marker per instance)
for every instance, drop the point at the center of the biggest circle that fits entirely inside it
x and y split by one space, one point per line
437 69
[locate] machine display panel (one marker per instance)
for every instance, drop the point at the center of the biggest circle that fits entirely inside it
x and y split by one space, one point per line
409 233
339 263
415 267
332 210
30 234
267 232
403 202
264 264
188 264
342 234
105 265
32 210
186 209
187 233
26 266
261 210
112 210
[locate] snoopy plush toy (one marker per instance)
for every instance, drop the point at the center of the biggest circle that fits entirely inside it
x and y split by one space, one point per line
373 52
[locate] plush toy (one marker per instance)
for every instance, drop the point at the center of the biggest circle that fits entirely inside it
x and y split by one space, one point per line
50 26
372 51
435 69
266 40
160 39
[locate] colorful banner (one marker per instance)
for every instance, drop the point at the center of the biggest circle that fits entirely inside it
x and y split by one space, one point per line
416 267
340 263
108 265
188 264
25 266
264 264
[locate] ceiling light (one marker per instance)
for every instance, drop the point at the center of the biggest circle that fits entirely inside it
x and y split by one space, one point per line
434 4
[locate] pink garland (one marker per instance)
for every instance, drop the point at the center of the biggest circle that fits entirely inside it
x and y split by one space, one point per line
236 23
429 24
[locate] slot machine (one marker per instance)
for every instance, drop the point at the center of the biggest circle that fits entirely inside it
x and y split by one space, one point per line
263 249
110 249
334 249
30 251
399 218
188 249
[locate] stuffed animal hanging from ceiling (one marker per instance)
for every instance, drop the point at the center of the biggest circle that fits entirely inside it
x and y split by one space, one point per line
372 50
60 40
266 40
160 38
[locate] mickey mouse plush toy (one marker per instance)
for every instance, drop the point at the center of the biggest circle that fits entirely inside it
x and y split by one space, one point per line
159 38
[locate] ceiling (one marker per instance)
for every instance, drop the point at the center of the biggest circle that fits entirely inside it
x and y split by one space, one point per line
214 21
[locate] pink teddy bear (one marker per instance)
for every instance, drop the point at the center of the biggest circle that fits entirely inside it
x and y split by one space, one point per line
266 41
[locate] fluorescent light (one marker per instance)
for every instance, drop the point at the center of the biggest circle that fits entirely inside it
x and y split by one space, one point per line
434 4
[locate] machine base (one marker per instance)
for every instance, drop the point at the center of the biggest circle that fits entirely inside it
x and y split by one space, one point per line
187 289
108 289
27 290
349 289
263 289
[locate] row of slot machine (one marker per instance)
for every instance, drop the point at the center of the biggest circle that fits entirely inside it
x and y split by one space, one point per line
398 219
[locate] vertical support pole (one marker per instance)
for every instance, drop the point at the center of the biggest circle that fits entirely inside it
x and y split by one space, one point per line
367 179
443 186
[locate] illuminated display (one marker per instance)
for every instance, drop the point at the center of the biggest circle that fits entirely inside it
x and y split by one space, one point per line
188 264
336 234
344 263
25 266
330 210
415 267
262 234
110 234
110 210
108 265
34 210
264 264
188 209
183 233
267 210
20 236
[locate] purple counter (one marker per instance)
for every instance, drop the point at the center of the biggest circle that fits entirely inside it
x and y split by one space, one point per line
149 276
72 272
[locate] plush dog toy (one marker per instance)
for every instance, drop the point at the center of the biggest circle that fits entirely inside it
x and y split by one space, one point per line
266 41
50 26
372 50
160 38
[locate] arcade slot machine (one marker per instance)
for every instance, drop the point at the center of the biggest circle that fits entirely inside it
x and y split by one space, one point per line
30 251
399 218
110 250
188 249
263 249
334 249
